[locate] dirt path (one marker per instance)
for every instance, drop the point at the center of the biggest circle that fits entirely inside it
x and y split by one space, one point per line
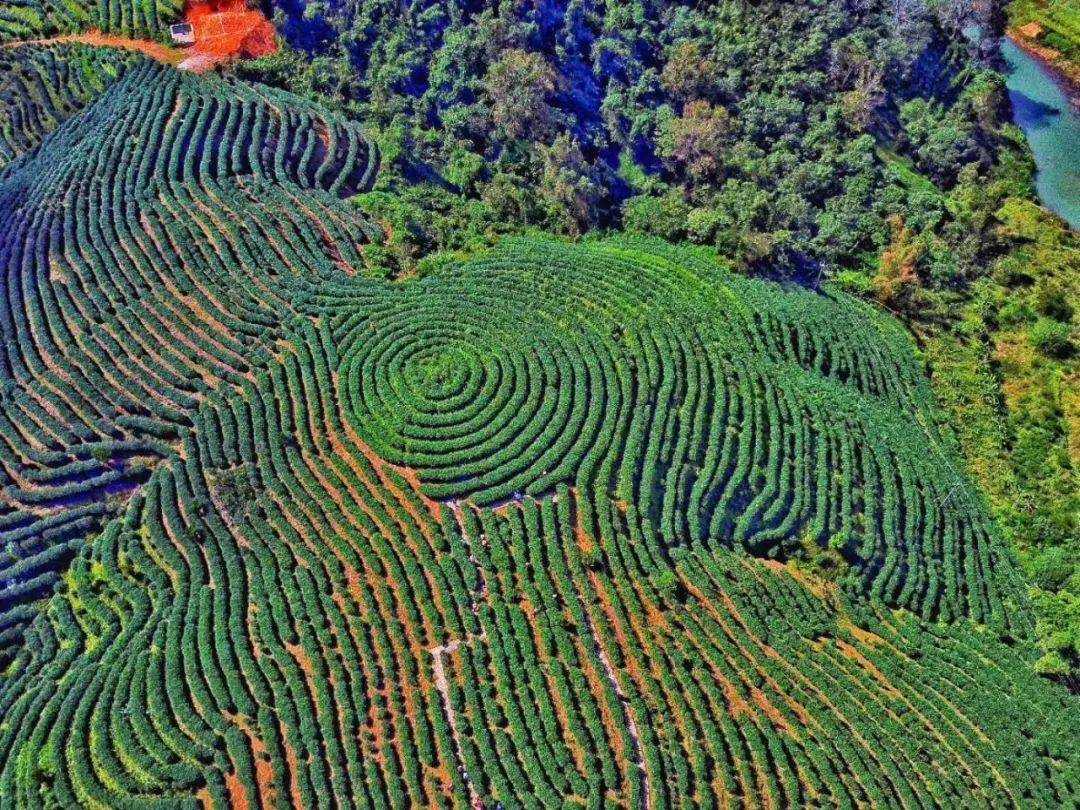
222 36
154 50
443 686
628 715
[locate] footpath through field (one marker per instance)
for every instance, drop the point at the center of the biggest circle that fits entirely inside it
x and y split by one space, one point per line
154 50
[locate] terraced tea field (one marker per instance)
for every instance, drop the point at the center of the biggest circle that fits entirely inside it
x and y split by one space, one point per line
29 19
279 532
41 87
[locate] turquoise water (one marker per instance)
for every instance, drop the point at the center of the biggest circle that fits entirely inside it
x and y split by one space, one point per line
1052 126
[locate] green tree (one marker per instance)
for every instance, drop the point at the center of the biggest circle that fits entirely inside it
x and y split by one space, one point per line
517 86
695 140
688 74
568 186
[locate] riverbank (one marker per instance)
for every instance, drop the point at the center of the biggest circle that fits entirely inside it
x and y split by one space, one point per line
1029 39
1041 108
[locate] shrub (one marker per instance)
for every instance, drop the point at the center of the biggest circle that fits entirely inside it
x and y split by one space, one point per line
1052 568
1050 301
1052 664
1052 338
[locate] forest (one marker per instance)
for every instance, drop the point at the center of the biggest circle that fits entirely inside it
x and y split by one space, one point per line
779 133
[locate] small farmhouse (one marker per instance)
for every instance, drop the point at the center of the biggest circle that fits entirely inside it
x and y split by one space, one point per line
182 33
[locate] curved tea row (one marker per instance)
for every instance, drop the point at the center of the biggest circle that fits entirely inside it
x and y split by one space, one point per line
35 19
281 618
41 87
151 251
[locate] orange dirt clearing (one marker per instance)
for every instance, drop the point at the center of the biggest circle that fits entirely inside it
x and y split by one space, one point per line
226 30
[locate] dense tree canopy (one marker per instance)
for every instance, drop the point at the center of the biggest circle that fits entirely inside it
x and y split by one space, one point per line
729 124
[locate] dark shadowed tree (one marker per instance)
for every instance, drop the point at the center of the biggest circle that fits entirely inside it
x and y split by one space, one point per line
568 185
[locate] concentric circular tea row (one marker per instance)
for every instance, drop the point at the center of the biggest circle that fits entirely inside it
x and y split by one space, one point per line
482 396
693 397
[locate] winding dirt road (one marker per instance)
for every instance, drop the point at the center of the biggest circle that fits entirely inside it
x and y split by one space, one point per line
154 50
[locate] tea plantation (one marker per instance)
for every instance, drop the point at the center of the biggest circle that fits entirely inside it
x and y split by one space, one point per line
519 531
27 19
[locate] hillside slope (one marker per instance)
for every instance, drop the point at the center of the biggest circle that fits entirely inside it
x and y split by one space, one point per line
139 280
510 532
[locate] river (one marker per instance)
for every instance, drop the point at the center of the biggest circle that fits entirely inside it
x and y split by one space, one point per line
1052 126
